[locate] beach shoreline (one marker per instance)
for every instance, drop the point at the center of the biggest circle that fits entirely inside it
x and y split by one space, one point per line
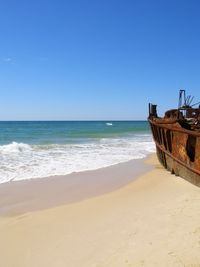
40 193
151 221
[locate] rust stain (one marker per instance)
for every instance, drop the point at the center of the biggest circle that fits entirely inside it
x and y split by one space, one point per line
177 138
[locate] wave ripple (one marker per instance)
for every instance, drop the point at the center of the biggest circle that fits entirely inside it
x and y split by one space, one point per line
20 161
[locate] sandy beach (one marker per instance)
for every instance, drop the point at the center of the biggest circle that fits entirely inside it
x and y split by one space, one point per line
153 220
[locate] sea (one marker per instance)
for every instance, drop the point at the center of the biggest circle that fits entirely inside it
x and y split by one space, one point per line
36 149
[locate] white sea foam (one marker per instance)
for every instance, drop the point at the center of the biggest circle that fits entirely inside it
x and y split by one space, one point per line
14 147
20 161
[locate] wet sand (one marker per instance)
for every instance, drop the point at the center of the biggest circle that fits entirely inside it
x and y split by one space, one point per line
35 194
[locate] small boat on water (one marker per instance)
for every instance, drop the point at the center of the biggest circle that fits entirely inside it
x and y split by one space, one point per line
177 138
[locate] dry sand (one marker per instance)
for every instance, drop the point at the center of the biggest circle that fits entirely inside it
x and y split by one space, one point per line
152 221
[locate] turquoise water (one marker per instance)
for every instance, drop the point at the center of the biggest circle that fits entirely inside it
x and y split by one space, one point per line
40 149
62 132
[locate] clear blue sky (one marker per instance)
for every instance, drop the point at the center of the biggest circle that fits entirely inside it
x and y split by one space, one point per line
96 59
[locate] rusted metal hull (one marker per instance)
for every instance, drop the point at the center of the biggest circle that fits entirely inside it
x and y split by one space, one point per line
178 149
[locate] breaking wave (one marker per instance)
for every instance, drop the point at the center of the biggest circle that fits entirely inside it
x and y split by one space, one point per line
20 161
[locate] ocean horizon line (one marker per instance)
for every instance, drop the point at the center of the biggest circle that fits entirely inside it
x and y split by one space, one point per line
103 120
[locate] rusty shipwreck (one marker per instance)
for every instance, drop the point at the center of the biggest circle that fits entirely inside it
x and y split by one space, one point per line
177 138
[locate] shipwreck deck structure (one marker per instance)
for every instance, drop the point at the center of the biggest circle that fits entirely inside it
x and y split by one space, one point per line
177 139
